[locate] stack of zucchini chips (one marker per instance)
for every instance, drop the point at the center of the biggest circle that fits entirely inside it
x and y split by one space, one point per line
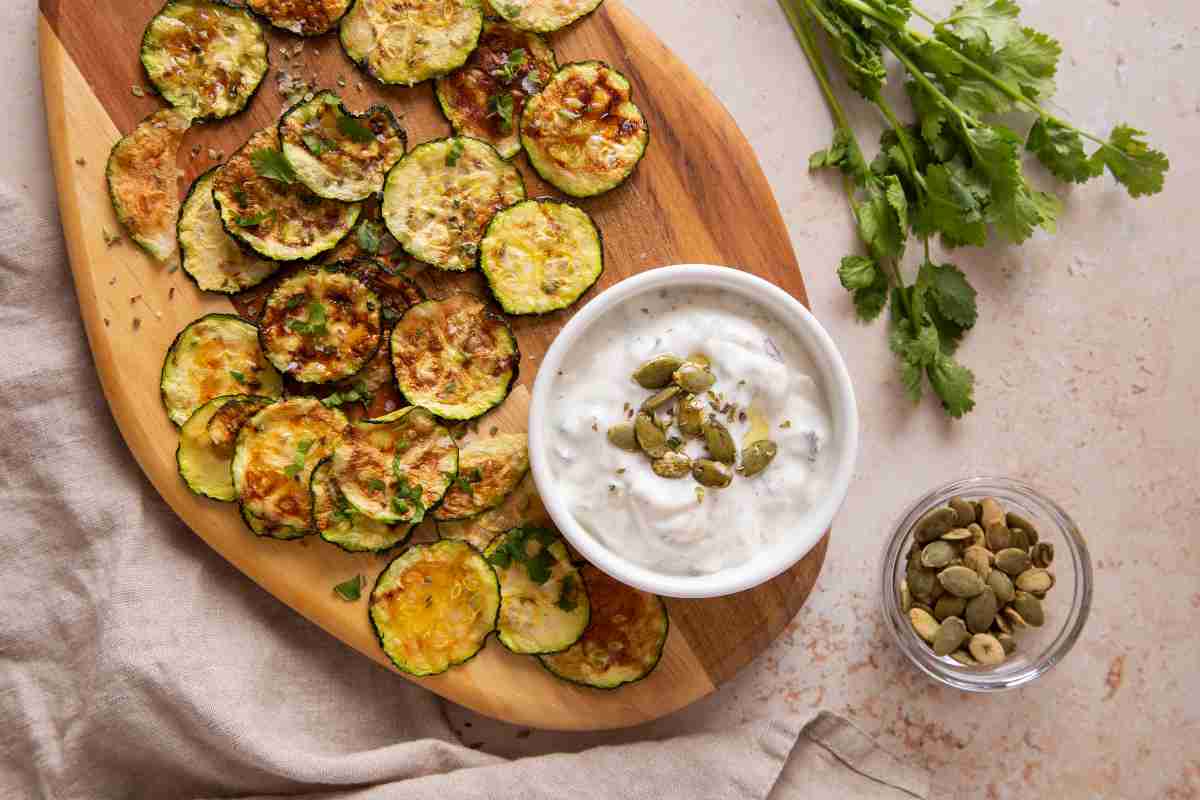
321 213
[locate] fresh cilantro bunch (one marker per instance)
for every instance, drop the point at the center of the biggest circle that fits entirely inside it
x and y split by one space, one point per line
956 173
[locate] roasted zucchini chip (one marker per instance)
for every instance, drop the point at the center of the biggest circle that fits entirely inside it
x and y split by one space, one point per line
371 240
434 606
489 470
397 292
339 155
543 602
541 256
320 325
440 197
301 17
484 97
454 357
265 207
396 467
544 16
276 452
413 41
582 132
338 523
143 181
521 508
204 459
623 642
215 355
205 57
210 257
226 423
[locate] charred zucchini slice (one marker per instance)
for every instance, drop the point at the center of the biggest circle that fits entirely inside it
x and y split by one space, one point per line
541 256
210 257
396 467
406 43
320 325
205 57
543 603
205 451
397 292
439 198
544 16
265 207
371 241
484 97
215 355
489 470
522 507
143 181
338 523
582 132
276 452
434 606
623 642
454 357
301 17
339 155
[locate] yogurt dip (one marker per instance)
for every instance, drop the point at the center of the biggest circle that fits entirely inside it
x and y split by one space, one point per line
667 525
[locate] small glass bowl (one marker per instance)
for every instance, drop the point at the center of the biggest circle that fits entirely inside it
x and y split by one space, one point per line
1067 604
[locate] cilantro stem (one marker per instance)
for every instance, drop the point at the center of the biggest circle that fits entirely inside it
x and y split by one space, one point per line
902 137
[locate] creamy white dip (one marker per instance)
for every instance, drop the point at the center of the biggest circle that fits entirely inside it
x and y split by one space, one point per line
662 524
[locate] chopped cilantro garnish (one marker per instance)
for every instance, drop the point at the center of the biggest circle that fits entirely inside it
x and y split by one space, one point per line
314 325
272 165
297 465
509 70
568 598
368 236
295 301
456 151
317 145
350 590
357 393
503 107
255 219
376 485
354 130
515 548
238 376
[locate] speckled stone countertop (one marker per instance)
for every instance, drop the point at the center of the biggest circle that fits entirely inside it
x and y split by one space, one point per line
1087 355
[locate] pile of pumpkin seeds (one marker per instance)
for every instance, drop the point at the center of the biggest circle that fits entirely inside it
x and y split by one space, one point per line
975 575
685 405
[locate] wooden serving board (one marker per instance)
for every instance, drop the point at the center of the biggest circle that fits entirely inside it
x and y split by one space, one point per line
698 196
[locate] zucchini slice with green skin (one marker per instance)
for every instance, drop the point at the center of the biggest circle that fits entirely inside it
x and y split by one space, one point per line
301 17
264 207
210 258
276 452
396 467
339 155
439 198
544 604
143 181
454 357
320 325
413 41
623 642
204 459
434 606
215 355
521 508
544 16
397 292
541 256
583 134
226 423
489 470
484 97
338 523
206 58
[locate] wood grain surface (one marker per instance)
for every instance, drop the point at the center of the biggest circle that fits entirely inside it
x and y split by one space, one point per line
699 196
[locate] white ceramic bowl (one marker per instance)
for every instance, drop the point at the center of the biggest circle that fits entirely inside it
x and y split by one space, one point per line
805 531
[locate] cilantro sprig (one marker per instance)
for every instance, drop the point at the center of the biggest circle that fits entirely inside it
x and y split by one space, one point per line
503 107
271 164
515 548
297 465
315 325
510 69
350 590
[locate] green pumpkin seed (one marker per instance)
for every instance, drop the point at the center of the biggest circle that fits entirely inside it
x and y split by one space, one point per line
990 512
1015 520
719 441
949 637
656 373
689 415
979 559
934 524
938 554
1042 554
924 624
1002 586
923 607
757 456
957 535
964 658
948 606
964 510
981 611
672 465
961 581
622 435
1007 642
650 437
693 377
921 582
1002 624
1030 609
1018 538
906 599
999 537
660 399
1014 618
713 474
986 649
1012 560
978 539
1035 581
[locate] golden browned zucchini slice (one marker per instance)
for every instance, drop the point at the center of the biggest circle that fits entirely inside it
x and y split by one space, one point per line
411 41
215 355
434 606
543 603
206 442
225 425
338 523
276 452
265 207
143 181
396 467
521 508
320 325
544 16
339 155
582 132
484 97
489 470
302 17
623 642
210 258
541 256
440 197
205 57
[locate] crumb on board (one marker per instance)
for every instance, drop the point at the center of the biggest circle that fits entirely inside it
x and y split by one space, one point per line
137 323
171 293
81 161
110 239
137 91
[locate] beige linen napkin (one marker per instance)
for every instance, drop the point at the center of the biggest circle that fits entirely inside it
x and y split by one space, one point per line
136 663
